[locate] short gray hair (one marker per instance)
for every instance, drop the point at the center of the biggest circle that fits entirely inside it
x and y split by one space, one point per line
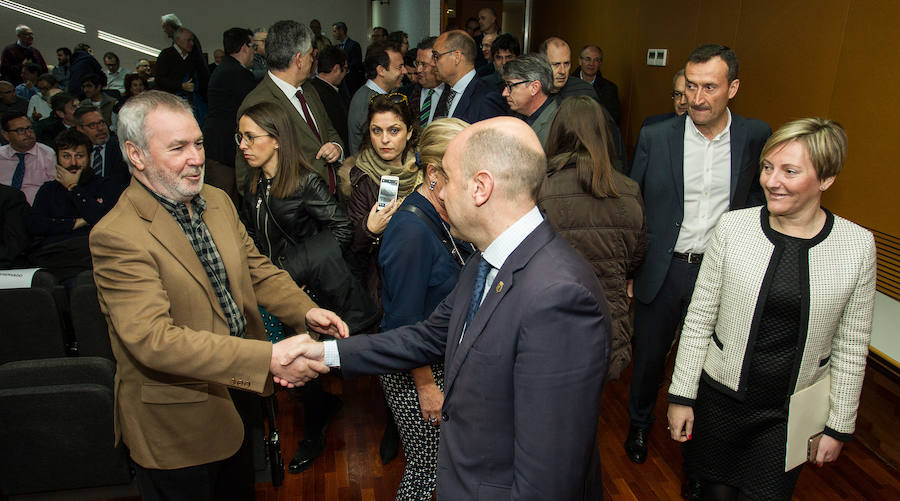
133 117
171 20
519 169
182 33
678 74
286 39
20 28
531 68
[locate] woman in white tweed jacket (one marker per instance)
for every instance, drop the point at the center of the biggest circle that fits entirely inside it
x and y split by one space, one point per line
784 296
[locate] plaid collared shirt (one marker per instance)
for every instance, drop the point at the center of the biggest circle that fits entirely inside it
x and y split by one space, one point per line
198 235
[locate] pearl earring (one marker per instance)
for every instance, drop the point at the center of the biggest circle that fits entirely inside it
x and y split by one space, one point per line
431 185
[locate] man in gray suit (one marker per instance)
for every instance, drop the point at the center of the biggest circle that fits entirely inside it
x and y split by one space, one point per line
290 56
528 81
524 335
691 170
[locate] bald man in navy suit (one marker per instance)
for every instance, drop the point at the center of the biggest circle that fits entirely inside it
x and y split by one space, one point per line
524 336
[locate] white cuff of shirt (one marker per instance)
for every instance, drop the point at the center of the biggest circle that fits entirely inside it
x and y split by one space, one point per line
332 357
341 158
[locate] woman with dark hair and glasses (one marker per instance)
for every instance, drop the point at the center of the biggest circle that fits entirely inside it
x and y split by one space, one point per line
285 200
295 221
387 148
597 209
420 263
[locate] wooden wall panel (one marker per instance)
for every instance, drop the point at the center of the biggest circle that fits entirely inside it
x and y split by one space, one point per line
660 25
866 100
789 60
798 58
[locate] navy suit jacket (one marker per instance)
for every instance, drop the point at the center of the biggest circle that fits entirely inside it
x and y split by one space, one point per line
479 102
658 118
114 166
522 389
658 169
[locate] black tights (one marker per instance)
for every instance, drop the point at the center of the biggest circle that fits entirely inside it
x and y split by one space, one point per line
723 492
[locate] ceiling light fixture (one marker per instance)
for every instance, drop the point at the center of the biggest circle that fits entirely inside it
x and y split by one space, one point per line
46 16
128 44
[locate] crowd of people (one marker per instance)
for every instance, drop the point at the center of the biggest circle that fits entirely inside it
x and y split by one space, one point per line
233 214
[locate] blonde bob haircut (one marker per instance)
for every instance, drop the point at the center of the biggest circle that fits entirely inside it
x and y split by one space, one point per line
435 138
825 142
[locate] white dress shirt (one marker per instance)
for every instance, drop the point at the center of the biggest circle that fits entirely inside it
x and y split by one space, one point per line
459 87
707 185
504 245
115 80
434 99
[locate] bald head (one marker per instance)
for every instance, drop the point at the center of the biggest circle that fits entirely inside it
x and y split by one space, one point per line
494 170
510 150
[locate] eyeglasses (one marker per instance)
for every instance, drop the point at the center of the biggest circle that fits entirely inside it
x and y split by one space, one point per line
509 86
420 64
394 97
238 137
676 95
22 130
96 125
435 55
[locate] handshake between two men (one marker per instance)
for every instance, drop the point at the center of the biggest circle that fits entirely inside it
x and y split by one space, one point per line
299 359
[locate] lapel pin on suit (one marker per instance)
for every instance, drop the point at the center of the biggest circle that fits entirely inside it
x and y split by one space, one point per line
500 286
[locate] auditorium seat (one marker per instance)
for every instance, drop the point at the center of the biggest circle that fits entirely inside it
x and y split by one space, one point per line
56 426
30 324
88 321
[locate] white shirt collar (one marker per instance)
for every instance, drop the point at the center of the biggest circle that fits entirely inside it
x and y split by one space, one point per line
723 134
463 82
374 86
288 89
504 245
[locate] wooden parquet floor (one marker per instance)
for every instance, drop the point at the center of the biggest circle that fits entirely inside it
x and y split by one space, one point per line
350 469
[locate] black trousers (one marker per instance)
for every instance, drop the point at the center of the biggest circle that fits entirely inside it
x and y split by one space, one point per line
230 479
654 329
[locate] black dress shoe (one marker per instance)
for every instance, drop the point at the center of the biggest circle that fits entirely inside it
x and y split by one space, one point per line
692 490
308 451
636 444
390 442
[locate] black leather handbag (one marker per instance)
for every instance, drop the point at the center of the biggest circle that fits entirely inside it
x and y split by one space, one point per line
273 443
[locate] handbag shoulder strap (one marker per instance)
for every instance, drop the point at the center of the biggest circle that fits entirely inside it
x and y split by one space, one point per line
444 238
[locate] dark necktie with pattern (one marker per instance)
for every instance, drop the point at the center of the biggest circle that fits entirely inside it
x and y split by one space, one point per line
483 268
444 103
19 173
307 115
425 112
98 160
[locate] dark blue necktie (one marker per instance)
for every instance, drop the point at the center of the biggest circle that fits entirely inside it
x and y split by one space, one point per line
483 268
19 173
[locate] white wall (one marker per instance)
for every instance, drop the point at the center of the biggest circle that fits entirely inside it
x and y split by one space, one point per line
139 21
886 326
418 18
